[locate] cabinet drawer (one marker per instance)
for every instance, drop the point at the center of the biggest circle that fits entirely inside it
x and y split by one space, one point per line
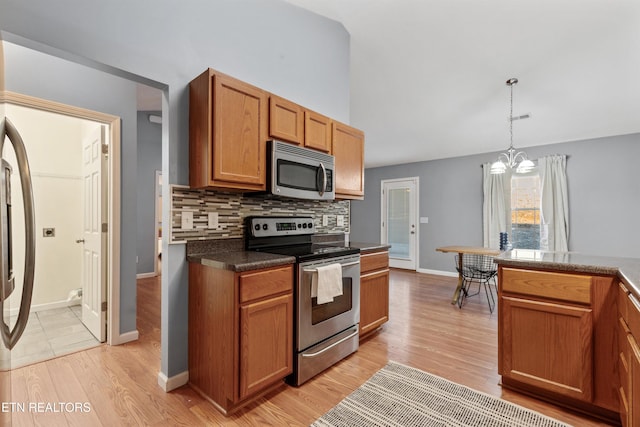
560 286
633 319
374 261
262 283
623 302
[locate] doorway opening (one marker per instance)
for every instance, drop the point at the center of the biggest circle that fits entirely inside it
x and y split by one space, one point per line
68 161
399 205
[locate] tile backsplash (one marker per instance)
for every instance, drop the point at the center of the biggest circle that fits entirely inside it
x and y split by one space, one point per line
232 208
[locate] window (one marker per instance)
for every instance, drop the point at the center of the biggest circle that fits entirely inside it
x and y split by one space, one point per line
525 211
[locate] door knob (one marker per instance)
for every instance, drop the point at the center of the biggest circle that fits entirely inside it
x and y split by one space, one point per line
80 241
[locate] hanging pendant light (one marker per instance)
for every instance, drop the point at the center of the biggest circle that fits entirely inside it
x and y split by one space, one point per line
512 159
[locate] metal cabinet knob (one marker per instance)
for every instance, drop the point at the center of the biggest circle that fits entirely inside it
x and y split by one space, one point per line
80 241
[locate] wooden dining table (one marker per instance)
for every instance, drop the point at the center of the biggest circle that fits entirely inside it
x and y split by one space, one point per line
478 250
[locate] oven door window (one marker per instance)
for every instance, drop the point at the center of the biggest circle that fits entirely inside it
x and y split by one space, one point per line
340 304
301 176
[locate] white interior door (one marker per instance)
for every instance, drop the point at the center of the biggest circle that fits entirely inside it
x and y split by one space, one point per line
399 221
94 315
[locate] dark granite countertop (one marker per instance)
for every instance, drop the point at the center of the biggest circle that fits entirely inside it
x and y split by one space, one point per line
369 247
241 260
627 269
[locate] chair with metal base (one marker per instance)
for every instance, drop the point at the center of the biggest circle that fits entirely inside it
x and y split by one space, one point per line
478 269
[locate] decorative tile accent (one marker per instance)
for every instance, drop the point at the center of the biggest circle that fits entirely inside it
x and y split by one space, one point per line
232 208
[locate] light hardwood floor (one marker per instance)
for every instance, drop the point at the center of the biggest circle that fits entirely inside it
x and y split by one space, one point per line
425 331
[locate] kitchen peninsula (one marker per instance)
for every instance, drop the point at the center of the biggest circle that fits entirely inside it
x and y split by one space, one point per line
568 330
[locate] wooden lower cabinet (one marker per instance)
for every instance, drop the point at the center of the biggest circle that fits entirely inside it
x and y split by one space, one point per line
561 333
556 338
374 291
240 333
634 407
629 357
266 329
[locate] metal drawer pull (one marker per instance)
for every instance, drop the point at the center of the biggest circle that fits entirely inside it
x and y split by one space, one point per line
313 270
331 346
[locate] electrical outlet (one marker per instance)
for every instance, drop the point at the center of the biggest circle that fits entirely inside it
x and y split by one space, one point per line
325 220
187 220
340 220
213 220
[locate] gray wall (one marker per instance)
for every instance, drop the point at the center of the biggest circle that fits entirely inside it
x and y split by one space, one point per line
269 43
604 199
149 161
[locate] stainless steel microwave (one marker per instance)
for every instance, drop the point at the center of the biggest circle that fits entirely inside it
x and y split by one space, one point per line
300 172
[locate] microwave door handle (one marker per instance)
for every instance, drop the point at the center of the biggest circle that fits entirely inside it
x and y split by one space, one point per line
324 179
11 337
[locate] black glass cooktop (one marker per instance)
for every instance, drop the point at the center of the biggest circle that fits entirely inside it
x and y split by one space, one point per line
312 252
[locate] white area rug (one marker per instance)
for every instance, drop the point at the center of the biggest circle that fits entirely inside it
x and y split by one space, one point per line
398 395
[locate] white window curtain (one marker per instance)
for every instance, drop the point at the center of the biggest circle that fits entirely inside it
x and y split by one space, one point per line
496 206
554 203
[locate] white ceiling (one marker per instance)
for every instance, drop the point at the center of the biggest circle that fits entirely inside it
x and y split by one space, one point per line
428 76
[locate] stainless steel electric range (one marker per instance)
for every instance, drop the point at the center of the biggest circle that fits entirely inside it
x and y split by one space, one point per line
323 333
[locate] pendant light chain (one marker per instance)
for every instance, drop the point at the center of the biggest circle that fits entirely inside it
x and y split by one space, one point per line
511 83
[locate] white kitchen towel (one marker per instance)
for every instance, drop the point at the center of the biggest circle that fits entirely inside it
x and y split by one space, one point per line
326 283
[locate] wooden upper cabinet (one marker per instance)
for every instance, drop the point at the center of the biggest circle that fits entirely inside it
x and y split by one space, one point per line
227 133
317 131
286 120
348 149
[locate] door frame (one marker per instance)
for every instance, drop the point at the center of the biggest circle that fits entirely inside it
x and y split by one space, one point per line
113 196
158 222
383 208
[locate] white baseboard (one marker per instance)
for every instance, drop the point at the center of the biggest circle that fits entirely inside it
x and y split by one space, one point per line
125 338
438 272
168 384
145 275
47 306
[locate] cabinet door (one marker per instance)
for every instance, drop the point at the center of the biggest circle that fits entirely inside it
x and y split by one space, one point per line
374 300
286 120
634 405
348 149
624 370
548 345
239 134
266 343
317 131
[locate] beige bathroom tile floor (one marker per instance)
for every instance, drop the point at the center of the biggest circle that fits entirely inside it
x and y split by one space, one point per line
51 333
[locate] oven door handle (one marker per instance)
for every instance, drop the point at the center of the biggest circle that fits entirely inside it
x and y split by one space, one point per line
313 270
331 346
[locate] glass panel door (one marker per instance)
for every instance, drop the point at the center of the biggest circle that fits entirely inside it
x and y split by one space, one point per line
399 212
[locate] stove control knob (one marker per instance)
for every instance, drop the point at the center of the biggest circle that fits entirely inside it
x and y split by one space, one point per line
299 225
304 225
257 227
265 227
310 225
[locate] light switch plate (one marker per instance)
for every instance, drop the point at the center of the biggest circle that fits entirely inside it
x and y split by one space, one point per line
213 220
325 220
187 220
340 220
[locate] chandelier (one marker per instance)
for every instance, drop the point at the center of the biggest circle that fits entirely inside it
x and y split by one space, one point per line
512 159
